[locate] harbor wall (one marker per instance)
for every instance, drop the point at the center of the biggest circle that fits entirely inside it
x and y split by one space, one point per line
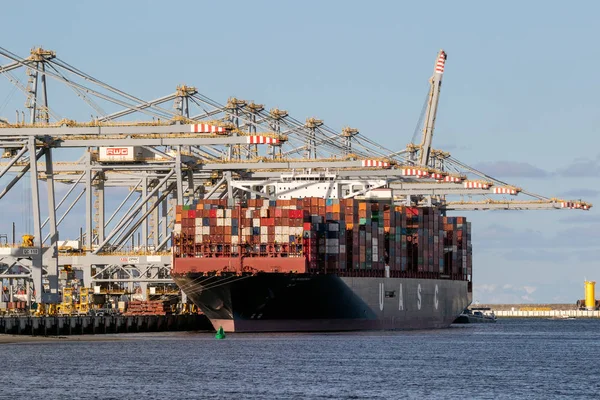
547 314
93 325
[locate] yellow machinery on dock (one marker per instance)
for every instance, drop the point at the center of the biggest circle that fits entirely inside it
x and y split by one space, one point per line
66 307
84 301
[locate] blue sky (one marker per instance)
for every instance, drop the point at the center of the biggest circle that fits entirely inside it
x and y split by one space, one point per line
519 97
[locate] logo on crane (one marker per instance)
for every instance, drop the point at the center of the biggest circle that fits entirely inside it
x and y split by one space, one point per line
117 151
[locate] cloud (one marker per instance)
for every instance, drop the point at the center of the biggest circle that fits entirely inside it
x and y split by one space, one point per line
507 294
581 168
511 169
487 288
580 193
529 289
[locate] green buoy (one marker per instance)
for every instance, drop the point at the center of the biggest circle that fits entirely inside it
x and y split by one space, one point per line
220 333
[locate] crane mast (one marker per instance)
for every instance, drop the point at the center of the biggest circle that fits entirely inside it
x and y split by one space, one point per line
432 105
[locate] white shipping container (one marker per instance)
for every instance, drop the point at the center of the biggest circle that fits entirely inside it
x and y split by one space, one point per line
375 258
177 228
228 221
256 222
235 239
342 248
334 228
278 230
264 213
286 230
198 222
206 230
248 213
220 213
220 221
264 238
198 238
264 230
198 230
228 213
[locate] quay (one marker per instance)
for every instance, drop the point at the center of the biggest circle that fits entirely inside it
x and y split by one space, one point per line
547 314
93 325
541 310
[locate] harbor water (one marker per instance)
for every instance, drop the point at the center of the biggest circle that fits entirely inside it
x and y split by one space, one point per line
511 359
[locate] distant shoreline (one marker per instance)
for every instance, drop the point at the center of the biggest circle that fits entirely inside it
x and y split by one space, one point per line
525 307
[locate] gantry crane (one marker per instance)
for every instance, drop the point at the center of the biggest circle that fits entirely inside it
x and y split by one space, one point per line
199 148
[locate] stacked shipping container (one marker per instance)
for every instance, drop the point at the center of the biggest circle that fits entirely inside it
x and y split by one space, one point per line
149 307
344 236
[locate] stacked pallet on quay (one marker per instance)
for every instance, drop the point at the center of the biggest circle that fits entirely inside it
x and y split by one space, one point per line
344 236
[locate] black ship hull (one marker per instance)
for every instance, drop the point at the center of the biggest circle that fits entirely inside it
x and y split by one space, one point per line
278 302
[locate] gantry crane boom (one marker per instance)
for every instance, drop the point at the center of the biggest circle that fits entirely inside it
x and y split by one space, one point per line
432 105
547 204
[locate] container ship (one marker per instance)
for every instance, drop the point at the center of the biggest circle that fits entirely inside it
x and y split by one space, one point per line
316 264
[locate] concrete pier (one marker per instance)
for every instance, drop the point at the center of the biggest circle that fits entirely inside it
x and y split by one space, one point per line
547 314
93 325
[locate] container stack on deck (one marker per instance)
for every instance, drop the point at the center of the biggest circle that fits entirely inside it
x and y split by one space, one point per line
149 307
343 236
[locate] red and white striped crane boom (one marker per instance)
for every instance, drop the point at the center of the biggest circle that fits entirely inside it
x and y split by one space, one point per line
432 105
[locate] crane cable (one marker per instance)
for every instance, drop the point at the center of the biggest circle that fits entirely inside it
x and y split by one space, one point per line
8 98
421 118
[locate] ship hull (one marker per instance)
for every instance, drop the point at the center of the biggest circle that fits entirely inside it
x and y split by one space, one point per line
284 302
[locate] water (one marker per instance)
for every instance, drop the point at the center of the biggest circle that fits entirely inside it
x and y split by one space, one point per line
512 359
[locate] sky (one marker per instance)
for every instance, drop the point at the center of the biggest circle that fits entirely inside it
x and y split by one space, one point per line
519 97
